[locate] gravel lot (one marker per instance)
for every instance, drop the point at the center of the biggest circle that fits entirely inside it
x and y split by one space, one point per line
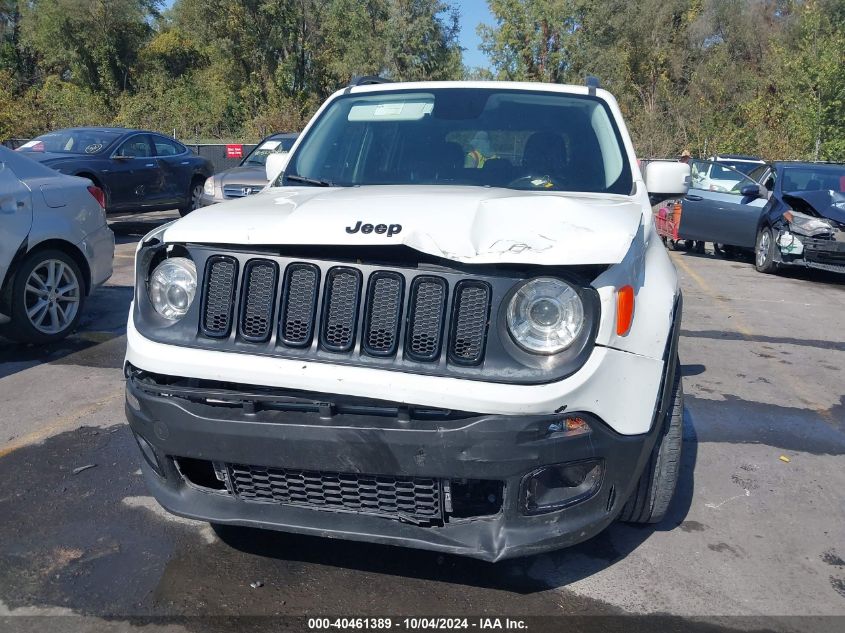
750 534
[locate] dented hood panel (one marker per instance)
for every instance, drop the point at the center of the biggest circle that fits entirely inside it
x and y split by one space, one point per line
464 224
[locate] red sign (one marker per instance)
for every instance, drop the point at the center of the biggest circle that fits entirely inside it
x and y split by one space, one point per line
234 151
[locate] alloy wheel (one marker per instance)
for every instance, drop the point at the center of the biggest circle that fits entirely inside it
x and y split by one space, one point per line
51 296
196 197
763 245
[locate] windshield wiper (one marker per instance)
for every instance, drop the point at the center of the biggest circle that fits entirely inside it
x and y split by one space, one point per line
309 181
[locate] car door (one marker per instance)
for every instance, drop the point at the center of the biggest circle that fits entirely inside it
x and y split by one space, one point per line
714 209
135 176
15 216
174 160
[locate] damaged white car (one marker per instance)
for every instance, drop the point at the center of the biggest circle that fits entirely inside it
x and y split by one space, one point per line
449 324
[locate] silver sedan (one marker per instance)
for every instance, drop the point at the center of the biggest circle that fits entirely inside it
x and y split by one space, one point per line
55 248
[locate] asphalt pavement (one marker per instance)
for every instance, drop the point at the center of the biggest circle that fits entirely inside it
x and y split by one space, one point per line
756 533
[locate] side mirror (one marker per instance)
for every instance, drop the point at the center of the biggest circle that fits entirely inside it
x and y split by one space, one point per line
666 179
275 164
751 191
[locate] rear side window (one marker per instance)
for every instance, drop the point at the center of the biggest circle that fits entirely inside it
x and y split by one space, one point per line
168 147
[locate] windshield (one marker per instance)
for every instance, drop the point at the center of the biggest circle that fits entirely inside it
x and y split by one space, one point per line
744 166
821 178
258 156
71 142
459 136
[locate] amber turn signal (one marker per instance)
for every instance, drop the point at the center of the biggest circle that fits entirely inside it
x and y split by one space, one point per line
624 310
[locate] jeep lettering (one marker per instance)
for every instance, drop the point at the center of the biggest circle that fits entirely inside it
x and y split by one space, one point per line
380 229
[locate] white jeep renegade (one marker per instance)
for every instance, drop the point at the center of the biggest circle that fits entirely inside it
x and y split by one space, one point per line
448 324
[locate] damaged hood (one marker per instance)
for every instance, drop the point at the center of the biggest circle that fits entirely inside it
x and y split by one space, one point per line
827 204
464 224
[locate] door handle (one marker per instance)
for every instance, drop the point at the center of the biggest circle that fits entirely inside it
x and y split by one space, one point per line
184 162
150 165
693 198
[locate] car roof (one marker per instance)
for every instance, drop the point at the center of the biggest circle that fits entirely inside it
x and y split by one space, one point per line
282 135
751 159
116 130
526 86
806 163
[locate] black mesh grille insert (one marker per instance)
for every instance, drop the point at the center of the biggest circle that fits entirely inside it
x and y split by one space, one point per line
299 304
220 275
425 323
340 309
257 300
469 322
383 313
414 497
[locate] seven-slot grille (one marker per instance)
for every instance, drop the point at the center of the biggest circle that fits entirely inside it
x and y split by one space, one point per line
389 496
328 309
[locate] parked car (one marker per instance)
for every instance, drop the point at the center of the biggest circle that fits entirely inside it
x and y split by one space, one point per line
788 213
739 162
249 177
391 345
55 249
727 215
138 170
803 223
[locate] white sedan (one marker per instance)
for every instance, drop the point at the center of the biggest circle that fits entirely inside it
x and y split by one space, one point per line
55 248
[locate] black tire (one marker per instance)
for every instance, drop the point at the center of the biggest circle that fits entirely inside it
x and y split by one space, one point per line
22 328
764 254
194 196
672 245
650 500
723 250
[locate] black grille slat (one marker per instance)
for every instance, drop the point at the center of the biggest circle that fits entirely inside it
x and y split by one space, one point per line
219 295
425 318
421 318
257 300
469 322
383 314
340 309
299 304
389 496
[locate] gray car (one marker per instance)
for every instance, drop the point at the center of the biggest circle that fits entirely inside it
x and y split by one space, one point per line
55 248
250 176
722 206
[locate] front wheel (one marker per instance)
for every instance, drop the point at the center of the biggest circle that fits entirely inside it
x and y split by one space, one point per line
194 200
650 499
47 297
764 253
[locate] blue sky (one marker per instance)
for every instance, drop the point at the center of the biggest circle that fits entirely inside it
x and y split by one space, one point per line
473 13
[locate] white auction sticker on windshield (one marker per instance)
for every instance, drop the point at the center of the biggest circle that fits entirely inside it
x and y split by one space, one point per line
389 109
270 145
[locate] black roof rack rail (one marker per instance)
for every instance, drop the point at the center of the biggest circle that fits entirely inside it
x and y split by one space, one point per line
367 80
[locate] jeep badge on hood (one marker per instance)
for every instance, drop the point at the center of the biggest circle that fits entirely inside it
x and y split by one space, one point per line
390 229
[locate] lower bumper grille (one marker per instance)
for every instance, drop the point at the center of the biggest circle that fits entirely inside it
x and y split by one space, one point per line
409 498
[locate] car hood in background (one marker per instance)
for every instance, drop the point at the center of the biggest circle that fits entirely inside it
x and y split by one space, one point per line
464 224
828 204
246 175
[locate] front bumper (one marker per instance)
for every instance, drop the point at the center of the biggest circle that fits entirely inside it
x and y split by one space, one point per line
504 448
820 254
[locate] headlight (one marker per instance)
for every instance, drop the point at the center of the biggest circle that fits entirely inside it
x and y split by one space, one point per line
173 286
804 224
545 315
208 187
